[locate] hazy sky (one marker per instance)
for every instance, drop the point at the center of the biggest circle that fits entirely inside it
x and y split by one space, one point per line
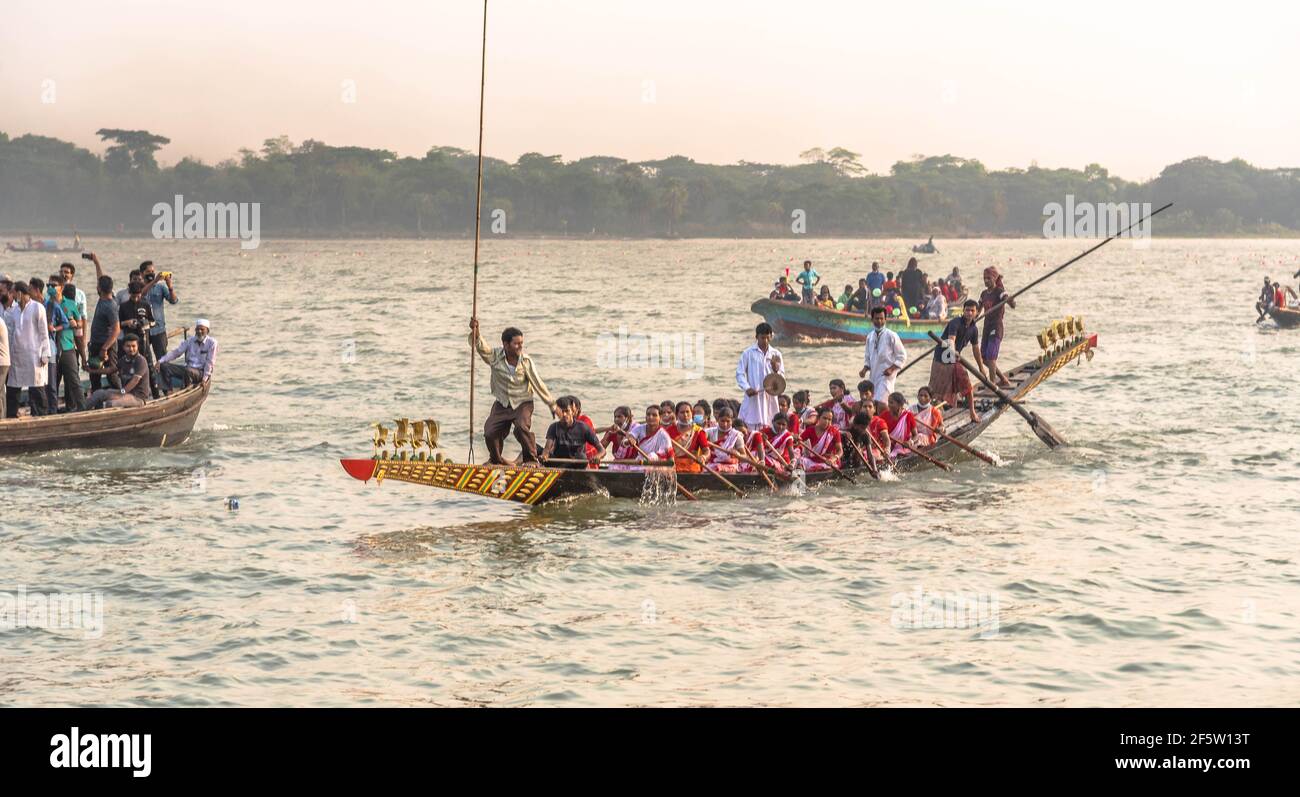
1133 87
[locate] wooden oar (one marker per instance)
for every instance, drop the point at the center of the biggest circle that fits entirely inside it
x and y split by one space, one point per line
1040 427
884 453
700 461
867 463
1012 297
957 442
922 454
681 489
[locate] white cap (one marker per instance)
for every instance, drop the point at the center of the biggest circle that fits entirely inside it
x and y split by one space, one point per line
202 322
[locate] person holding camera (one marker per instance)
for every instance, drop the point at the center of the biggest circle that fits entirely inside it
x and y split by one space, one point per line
136 318
158 290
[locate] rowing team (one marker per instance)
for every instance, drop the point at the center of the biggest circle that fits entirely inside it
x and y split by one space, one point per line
840 432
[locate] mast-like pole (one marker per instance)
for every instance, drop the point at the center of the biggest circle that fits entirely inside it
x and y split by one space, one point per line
478 213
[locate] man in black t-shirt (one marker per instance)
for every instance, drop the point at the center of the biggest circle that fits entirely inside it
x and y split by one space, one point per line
136 317
133 376
948 380
568 439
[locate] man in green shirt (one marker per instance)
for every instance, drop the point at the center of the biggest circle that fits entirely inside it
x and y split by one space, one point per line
67 364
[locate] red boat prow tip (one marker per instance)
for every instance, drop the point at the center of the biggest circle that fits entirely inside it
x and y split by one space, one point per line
359 469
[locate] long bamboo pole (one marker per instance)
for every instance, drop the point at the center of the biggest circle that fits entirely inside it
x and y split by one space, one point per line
478 214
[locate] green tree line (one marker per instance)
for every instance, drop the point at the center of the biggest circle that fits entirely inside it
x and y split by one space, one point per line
314 188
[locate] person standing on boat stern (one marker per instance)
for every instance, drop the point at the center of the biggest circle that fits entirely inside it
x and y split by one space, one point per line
808 279
994 294
948 380
200 353
29 349
884 356
514 380
756 362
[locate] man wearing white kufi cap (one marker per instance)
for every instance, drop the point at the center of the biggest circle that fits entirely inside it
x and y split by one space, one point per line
200 353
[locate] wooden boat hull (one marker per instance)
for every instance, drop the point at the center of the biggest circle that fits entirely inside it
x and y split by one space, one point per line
793 320
162 423
1286 318
535 485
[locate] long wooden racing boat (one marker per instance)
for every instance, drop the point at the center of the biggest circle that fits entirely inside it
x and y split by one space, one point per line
164 422
1286 317
793 320
531 485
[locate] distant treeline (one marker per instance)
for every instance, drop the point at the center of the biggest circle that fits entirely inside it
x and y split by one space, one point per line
315 189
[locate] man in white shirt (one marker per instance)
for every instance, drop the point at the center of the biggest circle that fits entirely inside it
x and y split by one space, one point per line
756 362
4 342
29 349
200 353
937 306
884 356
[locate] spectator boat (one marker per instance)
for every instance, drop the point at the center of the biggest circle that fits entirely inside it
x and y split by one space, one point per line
793 321
161 423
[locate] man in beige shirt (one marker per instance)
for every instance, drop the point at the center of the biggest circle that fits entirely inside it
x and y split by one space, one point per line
514 379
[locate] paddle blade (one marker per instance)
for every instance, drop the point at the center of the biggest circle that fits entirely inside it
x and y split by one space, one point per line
1045 432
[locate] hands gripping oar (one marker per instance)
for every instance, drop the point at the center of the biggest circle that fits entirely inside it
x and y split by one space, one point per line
922 454
1051 273
956 442
867 463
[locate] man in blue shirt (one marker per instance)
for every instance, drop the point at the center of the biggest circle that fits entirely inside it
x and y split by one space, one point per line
155 296
808 279
64 317
875 282
57 321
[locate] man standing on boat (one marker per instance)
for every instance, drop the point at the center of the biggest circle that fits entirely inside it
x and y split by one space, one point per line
29 349
948 380
808 279
884 356
4 343
995 300
756 362
514 379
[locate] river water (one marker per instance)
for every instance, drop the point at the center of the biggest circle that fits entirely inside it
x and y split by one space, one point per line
1152 562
